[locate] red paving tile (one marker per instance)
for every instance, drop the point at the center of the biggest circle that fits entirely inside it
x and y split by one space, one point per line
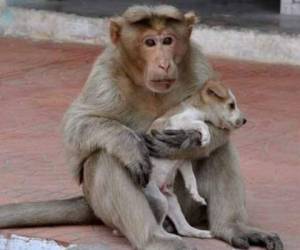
39 80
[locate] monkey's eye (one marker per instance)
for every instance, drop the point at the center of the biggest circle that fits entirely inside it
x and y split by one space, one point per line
150 42
167 40
232 105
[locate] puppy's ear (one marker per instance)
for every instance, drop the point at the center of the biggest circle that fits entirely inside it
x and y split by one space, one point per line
216 89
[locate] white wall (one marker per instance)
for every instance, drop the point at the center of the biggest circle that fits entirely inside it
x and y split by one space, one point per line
290 7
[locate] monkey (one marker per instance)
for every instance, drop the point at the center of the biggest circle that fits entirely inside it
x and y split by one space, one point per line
213 103
150 66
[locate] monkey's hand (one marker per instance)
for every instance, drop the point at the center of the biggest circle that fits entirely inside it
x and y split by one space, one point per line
140 167
185 144
168 143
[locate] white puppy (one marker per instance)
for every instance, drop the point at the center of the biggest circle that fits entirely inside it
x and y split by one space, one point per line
213 103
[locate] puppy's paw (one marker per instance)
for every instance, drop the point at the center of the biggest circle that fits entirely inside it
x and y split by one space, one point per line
196 197
204 130
205 234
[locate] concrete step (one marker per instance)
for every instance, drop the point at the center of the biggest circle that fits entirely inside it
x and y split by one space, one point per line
243 43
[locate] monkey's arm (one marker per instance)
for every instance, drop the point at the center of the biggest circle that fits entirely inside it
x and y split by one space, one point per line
168 143
85 134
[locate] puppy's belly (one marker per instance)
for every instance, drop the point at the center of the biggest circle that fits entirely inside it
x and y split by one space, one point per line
164 171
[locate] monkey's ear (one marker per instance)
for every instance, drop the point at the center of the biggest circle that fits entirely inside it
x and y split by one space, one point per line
191 19
115 29
216 89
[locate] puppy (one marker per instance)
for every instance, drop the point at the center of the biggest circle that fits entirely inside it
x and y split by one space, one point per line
213 103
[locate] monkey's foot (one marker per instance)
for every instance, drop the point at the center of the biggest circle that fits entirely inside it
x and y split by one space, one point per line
269 241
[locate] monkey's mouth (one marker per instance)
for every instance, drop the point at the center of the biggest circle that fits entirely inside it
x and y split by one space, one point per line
163 83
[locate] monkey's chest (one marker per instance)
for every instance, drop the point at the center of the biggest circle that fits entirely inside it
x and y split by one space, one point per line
141 118
144 109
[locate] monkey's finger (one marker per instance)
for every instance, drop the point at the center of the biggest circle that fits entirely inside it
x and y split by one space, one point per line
152 149
240 242
168 133
155 151
134 177
154 132
164 137
270 242
146 178
145 171
148 140
172 141
138 178
174 131
278 245
157 154
143 179
158 149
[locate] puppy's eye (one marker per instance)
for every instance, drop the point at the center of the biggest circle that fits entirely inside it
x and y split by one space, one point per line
232 105
150 42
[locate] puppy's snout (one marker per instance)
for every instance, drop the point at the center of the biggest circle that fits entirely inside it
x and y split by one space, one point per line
240 122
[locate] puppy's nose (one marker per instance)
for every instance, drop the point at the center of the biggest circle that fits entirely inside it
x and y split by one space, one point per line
240 122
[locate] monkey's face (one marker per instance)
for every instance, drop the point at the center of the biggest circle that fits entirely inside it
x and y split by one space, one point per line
156 53
161 54
154 42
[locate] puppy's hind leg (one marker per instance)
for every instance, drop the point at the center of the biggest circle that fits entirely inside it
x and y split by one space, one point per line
159 205
181 224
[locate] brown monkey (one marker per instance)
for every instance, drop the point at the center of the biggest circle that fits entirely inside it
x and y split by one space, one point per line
150 66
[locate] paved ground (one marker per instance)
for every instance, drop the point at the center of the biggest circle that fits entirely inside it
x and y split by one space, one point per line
39 80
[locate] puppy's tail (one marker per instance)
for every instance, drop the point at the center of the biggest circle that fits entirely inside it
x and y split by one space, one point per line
74 211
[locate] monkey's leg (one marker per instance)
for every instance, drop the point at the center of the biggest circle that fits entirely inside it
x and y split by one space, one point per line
47 213
181 224
122 205
219 180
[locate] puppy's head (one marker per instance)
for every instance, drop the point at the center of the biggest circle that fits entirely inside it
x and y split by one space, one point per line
221 105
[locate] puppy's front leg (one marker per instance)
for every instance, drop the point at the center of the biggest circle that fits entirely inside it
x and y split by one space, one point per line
178 122
190 182
203 129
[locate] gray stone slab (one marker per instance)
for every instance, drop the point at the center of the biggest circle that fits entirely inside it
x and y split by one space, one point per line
16 242
89 247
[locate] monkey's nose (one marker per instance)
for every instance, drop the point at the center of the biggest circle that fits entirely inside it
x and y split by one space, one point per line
164 66
244 121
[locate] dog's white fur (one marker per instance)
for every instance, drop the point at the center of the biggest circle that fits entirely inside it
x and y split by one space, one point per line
189 115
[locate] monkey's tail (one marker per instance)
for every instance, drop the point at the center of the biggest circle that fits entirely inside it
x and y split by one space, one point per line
74 211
